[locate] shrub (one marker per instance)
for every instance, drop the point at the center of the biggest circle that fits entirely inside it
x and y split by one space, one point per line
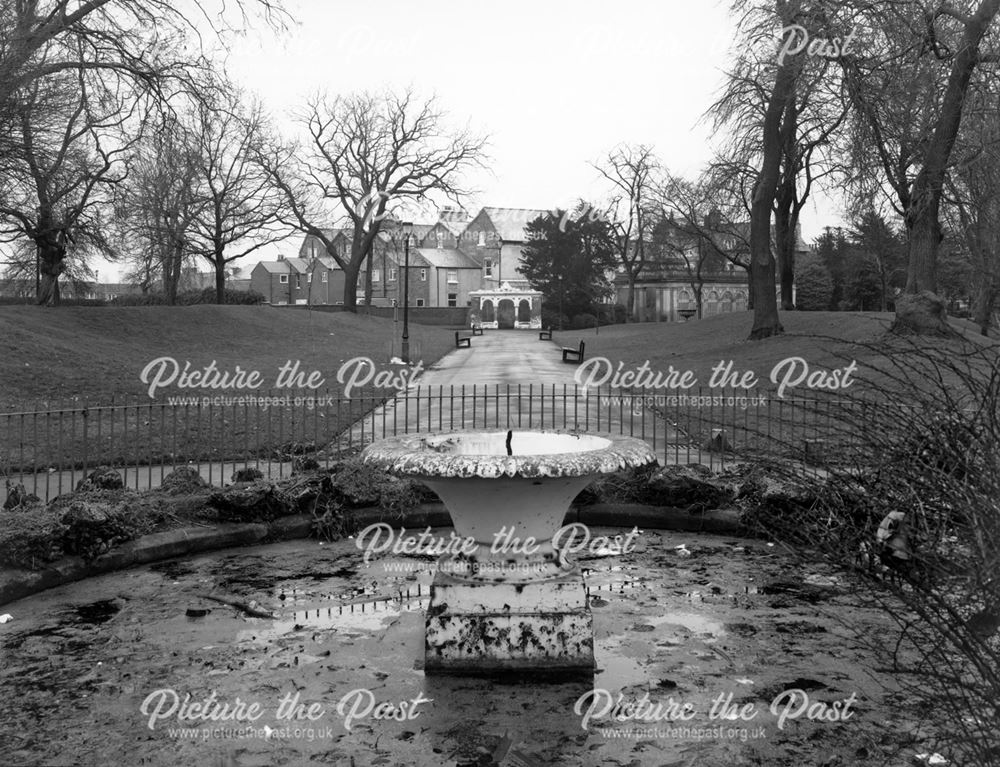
31 539
190 297
926 452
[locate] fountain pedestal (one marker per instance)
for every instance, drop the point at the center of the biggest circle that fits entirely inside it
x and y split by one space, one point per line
511 602
485 627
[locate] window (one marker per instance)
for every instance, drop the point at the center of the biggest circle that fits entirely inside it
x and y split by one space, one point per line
423 275
482 239
452 276
325 275
440 239
298 281
392 274
283 279
309 278
453 299
488 266
420 302
376 275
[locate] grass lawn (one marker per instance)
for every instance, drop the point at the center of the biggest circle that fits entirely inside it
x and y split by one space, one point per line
825 341
53 356
72 358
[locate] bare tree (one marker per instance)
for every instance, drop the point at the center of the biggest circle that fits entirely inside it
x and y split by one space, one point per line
928 54
811 116
239 209
366 154
973 199
158 205
631 169
42 38
70 155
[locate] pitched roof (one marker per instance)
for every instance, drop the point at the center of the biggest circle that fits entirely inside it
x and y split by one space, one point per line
299 265
446 258
274 267
509 223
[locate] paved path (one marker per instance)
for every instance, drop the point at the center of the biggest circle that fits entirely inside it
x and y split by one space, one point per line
502 357
509 378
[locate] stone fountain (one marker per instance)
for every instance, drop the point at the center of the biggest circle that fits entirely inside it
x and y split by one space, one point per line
510 600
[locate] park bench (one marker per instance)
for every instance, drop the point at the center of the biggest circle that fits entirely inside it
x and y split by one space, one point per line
461 340
477 330
545 334
573 355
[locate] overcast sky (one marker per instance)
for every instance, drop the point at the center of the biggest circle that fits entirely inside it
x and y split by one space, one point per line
556 84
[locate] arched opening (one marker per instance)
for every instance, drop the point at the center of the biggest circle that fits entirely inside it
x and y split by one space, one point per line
489 315
524 310
505 314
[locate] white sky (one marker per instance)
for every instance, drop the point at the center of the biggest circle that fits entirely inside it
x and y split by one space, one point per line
556 83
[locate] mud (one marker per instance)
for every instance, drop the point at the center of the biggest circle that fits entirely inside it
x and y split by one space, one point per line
685 618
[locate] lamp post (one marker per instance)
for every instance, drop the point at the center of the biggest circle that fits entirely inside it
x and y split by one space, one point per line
407 227
499 260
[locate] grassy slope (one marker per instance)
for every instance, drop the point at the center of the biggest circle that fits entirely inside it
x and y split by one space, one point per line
96 352
823 339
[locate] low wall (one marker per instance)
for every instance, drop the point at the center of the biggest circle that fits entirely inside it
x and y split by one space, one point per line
421 315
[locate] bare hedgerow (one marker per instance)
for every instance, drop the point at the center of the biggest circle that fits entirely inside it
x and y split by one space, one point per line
910 502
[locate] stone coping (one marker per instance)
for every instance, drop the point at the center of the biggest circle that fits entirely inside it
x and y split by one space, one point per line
17 584
492 453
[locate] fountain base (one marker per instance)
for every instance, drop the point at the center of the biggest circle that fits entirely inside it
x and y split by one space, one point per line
509 627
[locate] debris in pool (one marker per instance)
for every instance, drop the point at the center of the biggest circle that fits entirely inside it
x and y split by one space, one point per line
197 612
6 618
682 550
248 610
934 759
743 680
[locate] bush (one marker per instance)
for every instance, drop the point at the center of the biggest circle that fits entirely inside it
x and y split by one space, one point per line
612 314
31 539
190 298
552 319
914 511
94 525
583 321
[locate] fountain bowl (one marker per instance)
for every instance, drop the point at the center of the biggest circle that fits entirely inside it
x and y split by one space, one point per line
515 602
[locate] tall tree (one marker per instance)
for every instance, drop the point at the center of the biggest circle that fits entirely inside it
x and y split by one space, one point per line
927 54
693 233
973 199
239 208
879 251
631 171
158 206
70 150
127 38
366 155
568 258
781 111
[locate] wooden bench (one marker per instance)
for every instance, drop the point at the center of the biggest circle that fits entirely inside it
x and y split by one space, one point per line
573 355
477 330
545 334
461 340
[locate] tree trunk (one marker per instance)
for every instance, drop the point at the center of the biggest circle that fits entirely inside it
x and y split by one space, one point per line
351 270
762 276
630 314
922 213
983 303
785 243
172 274
368 276
220 277
51 263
